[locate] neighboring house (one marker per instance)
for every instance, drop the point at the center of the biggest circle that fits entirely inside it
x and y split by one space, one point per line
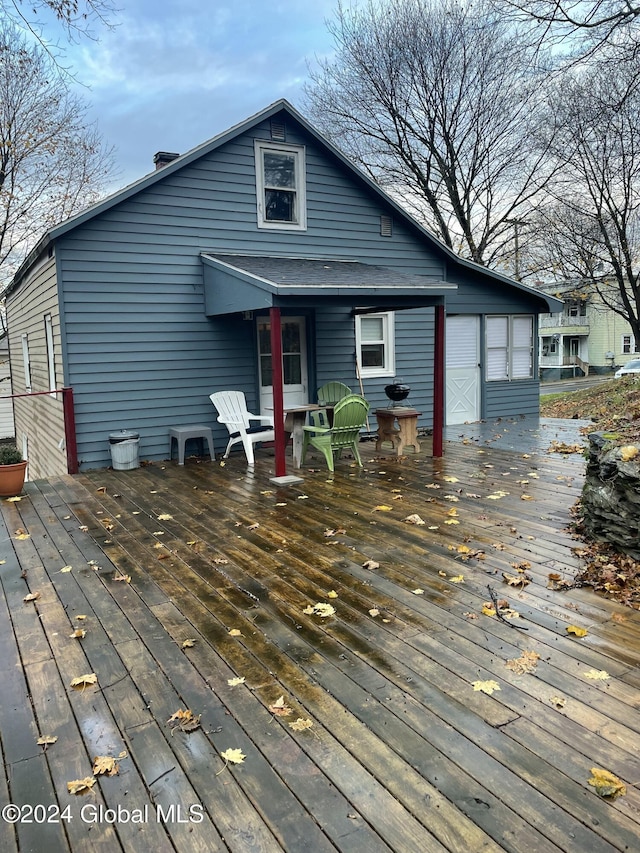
7 428
584 337
162 293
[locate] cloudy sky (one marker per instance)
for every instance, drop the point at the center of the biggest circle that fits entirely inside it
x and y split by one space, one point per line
174 73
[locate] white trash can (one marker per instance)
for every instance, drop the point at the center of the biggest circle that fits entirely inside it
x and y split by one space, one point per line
124 449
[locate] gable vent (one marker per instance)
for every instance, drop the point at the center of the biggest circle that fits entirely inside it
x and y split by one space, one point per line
278 131
386 226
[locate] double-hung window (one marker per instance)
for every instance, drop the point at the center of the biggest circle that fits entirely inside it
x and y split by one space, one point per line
375 344
280 185
509 346
629 344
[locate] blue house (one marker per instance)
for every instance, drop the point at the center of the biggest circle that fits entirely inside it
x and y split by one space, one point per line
162 293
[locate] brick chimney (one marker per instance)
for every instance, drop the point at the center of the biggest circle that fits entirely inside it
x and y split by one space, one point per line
163 158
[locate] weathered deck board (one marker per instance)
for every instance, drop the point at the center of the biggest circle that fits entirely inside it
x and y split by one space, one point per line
403 754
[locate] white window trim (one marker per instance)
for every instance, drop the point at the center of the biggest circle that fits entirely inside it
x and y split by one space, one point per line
27 363
510 347
261 145
51 361
632 345
389 341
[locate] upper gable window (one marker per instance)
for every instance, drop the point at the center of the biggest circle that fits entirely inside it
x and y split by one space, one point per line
280 184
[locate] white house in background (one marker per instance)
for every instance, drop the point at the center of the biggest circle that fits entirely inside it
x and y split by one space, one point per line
585 337
7 427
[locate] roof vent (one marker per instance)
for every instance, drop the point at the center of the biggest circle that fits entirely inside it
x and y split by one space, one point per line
386 226
163 158
278 131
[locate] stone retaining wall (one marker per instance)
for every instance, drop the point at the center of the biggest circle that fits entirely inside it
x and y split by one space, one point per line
611 495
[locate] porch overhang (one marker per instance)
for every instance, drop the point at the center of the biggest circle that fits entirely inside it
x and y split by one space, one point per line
237 283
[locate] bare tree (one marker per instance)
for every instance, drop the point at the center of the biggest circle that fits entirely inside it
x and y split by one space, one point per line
591 228
439 104
583 28
52 160
76 18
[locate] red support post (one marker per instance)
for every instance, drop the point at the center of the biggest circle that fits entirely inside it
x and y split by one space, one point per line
438 383
278 390
70 430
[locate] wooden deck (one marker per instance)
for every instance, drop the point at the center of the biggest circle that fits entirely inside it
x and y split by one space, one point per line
403 754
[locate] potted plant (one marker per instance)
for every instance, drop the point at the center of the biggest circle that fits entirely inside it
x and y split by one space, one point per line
12 471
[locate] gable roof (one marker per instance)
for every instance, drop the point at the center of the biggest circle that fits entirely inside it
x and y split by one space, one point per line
205 148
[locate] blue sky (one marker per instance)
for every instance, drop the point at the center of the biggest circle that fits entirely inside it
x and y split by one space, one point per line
174 73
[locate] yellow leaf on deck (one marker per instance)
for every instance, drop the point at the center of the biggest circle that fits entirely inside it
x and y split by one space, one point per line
13 499
486 686
374 612
78 634
83 681
234 632
104 765
370 564
188 644
234 682
488 610
321 609
81 786
332 594
452 512
46 740
413 519
418 591
597 674
301 724
382 508
65 569
450 479
526 498
606 784
452 521
577 631
457 579
22 534
233 756
524 664
32 596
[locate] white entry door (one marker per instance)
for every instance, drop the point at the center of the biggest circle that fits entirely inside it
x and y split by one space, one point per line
462 368
294 362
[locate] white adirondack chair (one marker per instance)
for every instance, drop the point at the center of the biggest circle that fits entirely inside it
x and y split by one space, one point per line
232 412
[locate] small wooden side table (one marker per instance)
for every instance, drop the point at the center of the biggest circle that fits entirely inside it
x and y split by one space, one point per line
405 434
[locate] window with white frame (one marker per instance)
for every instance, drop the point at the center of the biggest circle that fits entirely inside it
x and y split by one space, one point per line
509 347
375 344
51 363
27 363
280 186
629 344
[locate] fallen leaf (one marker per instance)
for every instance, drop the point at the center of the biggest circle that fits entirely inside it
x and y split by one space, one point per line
233 756
452 521
83 681
628 452
597 674
413 519
457 579
450 479
13 499
453 512
442 574
382 508
184 721
78 634
234 632
577 631
120 576
526 498
81 616
65 569
32 596
104 765
486 686
81 786
46 740
332 594
374 612
280 708
524 664
320 609
418 591
234 682
301 724
606 784
558 701
370 564
188 644
22 534
515 580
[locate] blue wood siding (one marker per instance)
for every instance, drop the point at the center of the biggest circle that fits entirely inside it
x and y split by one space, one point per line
138 349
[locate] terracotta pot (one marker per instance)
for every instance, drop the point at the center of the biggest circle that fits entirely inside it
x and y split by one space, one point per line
12 479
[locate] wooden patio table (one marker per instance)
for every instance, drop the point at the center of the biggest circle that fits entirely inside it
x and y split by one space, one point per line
295 419
404 435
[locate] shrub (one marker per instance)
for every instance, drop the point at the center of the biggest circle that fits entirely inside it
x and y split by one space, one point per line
10 455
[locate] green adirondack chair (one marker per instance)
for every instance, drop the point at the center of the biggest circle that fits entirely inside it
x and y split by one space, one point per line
349 416
328 395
